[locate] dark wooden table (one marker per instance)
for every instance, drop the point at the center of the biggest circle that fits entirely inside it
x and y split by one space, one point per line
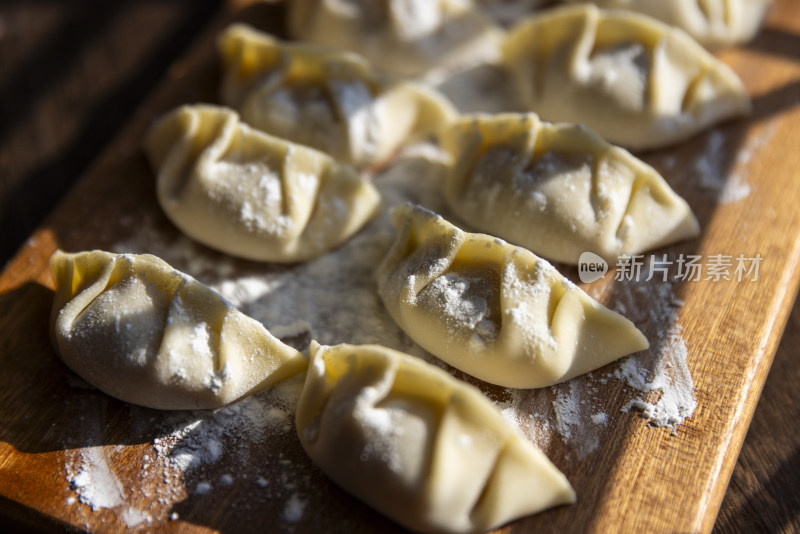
73 73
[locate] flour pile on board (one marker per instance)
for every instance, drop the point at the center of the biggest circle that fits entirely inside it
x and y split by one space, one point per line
199 442
93 480
195 453
573 421
722 166
671 376
663 368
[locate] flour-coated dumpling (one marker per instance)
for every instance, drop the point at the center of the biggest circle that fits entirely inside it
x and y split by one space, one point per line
494 310
713 23
252 195
418 445
635 81
145 333
330 100
558 189
405 37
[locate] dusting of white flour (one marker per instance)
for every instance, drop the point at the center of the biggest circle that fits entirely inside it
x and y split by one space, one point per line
658 383
93 479
721 167
573 421
671 376
663 368
238 450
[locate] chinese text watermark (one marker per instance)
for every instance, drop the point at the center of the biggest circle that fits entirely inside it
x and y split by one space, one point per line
684 267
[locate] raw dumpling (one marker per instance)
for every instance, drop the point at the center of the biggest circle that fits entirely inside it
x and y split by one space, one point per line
405 37
493 310
332 101
559 190
712 22
252 195
418 445
144 333
635 81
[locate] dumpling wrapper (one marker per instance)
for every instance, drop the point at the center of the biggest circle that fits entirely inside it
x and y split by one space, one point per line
409 38
635 81
559 190
509 12
252 195
418 445
330 100
147 334
494 310
714 23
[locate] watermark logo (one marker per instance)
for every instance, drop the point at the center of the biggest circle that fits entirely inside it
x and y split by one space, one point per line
591 267
684 268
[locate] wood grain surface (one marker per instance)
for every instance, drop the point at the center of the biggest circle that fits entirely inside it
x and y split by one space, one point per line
763 495
640 477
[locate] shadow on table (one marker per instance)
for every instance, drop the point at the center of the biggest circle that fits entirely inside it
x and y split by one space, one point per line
20 519
52 68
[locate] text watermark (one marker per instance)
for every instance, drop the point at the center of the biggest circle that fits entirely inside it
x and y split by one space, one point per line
684 268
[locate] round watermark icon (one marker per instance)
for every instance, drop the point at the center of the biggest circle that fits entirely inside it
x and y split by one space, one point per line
591 267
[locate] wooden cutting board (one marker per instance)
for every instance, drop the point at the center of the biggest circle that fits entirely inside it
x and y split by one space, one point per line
71 456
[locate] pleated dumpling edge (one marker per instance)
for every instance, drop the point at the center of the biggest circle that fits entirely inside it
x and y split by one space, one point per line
714 23
325 98
145 333
418 445
494 310
252 195
639 83
559 190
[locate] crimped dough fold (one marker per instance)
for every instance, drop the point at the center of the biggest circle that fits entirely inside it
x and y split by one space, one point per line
405 37
713 23
559 190
330 100
145 333
252 195
418 445
635 81
494 310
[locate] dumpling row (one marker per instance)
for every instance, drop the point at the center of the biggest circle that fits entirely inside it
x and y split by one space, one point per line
410 37
558 190
491 309
405 437
636 81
